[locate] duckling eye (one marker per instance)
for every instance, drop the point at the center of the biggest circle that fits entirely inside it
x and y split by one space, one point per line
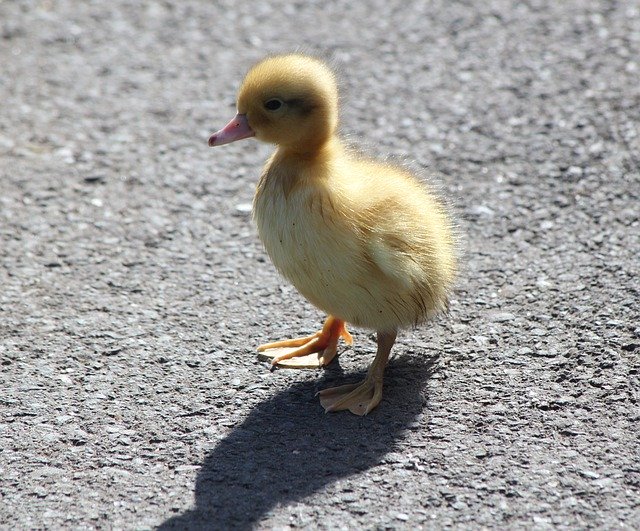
273 105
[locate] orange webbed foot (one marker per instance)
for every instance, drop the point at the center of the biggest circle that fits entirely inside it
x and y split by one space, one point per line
317 350
359 398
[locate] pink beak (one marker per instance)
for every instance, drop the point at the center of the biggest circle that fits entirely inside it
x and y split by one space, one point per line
236 129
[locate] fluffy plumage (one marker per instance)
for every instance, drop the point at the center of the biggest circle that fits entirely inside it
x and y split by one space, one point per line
364 241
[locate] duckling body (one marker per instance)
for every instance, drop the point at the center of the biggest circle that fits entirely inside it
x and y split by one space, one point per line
363 241
345 233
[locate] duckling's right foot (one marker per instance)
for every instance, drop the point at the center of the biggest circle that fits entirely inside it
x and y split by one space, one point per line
313 351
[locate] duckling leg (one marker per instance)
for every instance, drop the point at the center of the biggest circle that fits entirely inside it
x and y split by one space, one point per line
362 397
316 350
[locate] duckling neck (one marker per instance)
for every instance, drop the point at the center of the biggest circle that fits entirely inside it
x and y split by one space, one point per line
310 153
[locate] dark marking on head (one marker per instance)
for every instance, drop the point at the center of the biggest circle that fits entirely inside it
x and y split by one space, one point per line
301 105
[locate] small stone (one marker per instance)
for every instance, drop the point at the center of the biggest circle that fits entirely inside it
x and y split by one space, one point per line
481 340
481 453
244 208
502 317
589 474
575 171
481 211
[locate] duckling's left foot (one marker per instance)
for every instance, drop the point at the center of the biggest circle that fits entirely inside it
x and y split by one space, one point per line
363 397
313 351
358 398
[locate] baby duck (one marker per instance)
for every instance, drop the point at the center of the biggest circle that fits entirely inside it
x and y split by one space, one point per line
365 242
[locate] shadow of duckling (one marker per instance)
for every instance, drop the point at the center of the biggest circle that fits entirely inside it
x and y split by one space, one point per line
286 449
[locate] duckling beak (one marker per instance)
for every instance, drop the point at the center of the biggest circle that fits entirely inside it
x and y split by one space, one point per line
236 129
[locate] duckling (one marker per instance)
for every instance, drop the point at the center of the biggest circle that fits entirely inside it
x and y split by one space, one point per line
364 241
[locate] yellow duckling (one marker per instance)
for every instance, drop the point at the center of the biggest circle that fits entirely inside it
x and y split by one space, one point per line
364 241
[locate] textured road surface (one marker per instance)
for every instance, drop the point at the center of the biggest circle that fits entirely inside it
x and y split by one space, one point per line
134 290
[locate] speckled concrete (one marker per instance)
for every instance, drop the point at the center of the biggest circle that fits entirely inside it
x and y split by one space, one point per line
134 290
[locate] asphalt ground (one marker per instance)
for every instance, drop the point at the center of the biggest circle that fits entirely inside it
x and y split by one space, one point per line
134 289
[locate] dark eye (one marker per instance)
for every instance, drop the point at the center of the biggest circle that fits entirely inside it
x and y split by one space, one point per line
273 105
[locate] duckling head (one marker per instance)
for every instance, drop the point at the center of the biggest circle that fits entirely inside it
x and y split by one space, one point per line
288 100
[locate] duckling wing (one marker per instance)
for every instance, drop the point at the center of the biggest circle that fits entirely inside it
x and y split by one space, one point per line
407 238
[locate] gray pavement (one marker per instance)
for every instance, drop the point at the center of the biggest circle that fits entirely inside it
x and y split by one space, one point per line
134 290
